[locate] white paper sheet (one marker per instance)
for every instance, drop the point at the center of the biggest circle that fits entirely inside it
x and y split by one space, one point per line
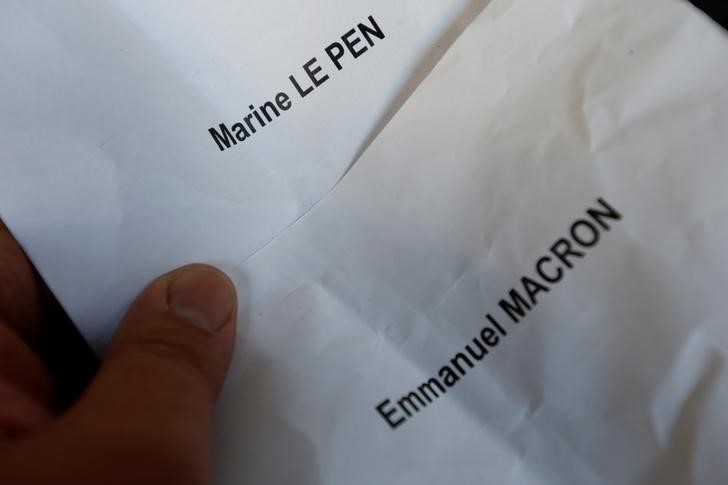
542 111
616 375
106 106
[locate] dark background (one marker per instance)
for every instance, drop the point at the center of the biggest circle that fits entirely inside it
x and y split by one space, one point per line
73 364
718 9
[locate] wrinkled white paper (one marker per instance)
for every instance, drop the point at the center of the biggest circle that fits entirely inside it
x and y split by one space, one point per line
540 111
617 375
107 160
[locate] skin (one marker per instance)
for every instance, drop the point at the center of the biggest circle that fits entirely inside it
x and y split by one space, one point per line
146 416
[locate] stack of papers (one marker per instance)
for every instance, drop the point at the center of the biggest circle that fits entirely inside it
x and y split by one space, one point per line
481 242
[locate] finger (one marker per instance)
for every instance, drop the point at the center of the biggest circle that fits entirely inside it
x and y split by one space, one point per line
30 309
20 294
20 366
179 332
147 414
20 414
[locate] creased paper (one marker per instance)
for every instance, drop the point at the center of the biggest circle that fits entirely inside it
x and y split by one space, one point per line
108 161
520 280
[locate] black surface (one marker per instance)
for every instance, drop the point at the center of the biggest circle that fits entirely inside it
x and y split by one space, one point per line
69 359
718 9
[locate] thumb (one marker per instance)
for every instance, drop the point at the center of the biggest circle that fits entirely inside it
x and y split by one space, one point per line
175 341
146 417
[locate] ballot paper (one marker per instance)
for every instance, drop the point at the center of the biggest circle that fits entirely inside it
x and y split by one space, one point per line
519 281
138 135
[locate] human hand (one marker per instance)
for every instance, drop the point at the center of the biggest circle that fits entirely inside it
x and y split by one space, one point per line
146 416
